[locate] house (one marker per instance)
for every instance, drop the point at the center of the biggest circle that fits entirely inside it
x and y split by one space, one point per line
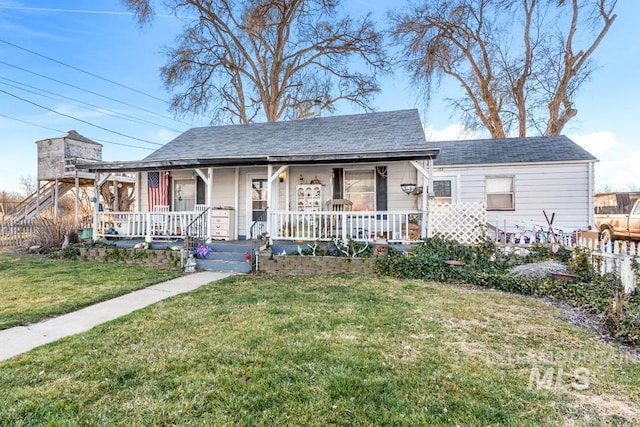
362 176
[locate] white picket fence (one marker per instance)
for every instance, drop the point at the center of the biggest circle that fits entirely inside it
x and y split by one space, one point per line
615 257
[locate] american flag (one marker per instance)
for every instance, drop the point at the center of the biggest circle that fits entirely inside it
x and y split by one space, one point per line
157 189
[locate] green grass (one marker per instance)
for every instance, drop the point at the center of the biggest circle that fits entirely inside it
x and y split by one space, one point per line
325 351
34 287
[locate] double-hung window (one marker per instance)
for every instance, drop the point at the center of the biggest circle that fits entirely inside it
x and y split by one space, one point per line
500 193
442 191
360 188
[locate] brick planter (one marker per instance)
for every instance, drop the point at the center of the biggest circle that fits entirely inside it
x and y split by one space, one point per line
295 265
148 257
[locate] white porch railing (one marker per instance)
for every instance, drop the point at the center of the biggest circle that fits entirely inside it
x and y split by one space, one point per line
150 225
326 225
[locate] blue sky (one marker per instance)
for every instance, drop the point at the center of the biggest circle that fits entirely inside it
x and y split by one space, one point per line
103 39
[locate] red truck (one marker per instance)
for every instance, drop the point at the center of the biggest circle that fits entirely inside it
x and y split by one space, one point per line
617 215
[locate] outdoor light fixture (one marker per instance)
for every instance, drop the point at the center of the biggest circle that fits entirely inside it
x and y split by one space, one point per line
408 188
282 176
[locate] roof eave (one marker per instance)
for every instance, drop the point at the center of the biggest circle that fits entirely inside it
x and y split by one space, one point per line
412 154
523 163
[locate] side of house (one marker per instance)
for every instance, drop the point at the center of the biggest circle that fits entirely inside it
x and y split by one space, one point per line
520 179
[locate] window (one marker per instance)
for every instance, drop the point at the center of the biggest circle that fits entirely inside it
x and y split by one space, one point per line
442 191
359 187
500 195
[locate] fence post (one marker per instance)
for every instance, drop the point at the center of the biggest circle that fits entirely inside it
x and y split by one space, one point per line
148 232
627 275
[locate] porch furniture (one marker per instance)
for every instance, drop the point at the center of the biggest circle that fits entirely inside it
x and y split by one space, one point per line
222 224
159 221
339 205
309 197
336 223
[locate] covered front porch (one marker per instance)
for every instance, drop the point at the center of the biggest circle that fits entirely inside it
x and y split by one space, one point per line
290 198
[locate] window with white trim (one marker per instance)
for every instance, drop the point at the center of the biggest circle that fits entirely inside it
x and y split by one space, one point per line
442 191
360 188
500 193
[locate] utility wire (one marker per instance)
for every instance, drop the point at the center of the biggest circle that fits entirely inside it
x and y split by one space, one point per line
61 131
93 93
83 71
97 107
80 120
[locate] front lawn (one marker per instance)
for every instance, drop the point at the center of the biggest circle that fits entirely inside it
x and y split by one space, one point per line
327 351
34 287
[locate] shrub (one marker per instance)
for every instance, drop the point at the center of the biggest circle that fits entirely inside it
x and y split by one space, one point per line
50 235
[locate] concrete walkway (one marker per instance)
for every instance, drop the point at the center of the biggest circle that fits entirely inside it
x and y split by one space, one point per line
21 339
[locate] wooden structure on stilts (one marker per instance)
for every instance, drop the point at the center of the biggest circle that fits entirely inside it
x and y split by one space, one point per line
57 175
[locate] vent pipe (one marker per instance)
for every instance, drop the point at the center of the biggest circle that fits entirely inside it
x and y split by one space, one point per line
317 106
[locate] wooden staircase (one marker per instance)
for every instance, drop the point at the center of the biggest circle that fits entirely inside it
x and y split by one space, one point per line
33 205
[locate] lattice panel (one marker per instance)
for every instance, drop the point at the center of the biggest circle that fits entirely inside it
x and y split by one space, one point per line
462 222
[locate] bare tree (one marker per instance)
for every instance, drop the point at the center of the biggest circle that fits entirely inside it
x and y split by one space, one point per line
241 60
520 63
8 202
28 184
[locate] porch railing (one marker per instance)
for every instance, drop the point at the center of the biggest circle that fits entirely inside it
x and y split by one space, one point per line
326 225
150 225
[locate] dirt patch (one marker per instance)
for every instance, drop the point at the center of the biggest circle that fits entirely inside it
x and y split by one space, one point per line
589 321
609 406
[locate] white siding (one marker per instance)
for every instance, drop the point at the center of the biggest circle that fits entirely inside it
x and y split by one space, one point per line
563 189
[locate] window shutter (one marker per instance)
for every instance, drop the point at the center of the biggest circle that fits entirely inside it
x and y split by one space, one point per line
337 183
381 188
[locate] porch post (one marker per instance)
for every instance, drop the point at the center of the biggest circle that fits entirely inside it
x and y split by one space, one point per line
116 196
138 192
425 175
271 178
96 204
210 187
77 190
236 203
269 196
56 195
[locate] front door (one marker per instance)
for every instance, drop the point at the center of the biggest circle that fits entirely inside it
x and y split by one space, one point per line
184 195
257 218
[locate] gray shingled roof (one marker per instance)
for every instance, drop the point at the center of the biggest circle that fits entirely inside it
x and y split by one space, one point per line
509 150
358 133
351 138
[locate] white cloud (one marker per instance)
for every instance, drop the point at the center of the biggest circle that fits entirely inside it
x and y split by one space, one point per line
163 135
619 161
596 143
452 132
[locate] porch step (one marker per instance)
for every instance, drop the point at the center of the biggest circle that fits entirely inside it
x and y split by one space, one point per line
227 256
223 265
231 246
